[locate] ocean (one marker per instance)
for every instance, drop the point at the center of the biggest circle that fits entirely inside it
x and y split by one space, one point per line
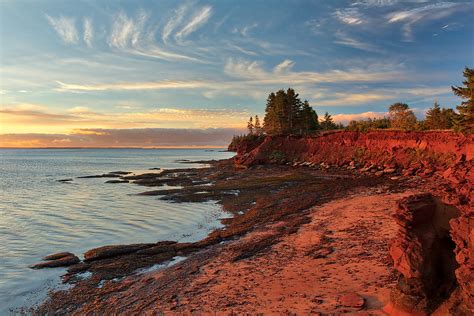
40 215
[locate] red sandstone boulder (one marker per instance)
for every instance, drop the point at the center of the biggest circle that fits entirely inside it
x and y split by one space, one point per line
159 247
63 261
352 300
423 254
58 255
113 251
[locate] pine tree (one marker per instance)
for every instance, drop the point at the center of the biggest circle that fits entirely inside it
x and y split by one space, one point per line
465 121
439 118
250 126
286 114
257 126
270 119
328 123
309 118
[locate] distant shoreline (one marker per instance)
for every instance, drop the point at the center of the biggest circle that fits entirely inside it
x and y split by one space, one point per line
161 147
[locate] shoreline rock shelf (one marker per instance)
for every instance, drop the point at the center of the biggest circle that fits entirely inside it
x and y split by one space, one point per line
60 259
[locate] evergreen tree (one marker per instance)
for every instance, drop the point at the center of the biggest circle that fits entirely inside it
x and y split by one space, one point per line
401 117
448 117
433 117
257 126
270 119
309 118
465 121
439 118
250 126
328 123
286 114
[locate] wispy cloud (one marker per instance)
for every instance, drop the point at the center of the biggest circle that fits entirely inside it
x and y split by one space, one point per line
158 85
427 12
131 36
65 27
254 73
351 16
316 25
284 66
244 31
197 20
127 31
346 40
88 32
345 99
242 49
174 22
375 3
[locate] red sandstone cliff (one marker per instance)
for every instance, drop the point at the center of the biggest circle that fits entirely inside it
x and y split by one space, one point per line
446 158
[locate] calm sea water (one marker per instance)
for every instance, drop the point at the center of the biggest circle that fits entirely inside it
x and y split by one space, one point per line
39 215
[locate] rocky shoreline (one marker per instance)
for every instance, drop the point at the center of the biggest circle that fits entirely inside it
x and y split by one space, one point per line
305 237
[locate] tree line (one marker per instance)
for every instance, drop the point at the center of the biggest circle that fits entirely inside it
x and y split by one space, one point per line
287 114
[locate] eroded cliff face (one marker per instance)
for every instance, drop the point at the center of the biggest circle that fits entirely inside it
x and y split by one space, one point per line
434 250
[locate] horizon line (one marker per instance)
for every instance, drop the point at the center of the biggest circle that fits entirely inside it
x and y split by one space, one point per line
120 147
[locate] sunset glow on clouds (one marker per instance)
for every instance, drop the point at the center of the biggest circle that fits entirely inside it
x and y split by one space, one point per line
68 67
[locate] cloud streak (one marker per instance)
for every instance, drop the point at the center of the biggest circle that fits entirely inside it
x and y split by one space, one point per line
131 36
173 22
197 20
159 85
350 16
254 73
65 27
345 99
346 40
88 32
424 13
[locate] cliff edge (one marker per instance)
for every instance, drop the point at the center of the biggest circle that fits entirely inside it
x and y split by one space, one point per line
434 248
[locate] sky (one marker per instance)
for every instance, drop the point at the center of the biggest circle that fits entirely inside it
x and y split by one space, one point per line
190 73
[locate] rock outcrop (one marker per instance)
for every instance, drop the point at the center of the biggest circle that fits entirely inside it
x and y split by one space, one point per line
60 259
113 251
423 254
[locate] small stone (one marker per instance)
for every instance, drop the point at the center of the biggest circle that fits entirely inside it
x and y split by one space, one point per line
352 300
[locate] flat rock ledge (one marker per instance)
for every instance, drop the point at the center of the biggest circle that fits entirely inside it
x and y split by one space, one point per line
60 259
